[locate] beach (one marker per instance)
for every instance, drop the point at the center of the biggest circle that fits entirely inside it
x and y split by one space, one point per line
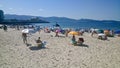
59 53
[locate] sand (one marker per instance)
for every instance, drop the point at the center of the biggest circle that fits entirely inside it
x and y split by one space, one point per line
59 53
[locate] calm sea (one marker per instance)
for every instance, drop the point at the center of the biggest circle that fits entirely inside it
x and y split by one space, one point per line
85 25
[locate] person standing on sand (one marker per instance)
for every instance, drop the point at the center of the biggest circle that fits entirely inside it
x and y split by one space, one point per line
24 36
4 27
93 32
66 33
56 33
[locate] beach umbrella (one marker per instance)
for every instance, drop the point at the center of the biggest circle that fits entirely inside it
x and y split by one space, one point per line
117 32
73 33
28 31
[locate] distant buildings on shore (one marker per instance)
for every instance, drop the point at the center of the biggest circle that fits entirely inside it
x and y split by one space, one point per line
16 21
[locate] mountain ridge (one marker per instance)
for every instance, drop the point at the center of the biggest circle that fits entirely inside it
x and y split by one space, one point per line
57 19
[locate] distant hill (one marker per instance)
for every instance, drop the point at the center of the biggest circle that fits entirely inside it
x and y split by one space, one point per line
57 19
19 17
49 19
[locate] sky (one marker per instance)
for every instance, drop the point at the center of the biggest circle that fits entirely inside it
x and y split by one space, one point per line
76 9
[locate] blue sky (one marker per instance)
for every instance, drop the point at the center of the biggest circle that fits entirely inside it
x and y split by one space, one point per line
76 9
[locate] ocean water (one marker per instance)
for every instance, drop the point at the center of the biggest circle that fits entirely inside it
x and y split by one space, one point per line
84 25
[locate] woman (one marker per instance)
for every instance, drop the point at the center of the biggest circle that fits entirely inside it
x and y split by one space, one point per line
73 40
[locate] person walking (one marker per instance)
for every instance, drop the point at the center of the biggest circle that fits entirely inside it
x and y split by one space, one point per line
24 36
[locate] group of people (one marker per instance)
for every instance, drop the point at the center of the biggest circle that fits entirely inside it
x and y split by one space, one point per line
103 34
77 43
39 43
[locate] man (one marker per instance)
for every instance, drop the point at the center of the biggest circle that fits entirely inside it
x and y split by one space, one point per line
5 27
39 42
24 36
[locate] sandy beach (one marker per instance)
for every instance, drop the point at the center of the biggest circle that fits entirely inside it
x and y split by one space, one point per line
59 53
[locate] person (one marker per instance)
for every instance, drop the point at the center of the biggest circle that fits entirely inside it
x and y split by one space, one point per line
39 42
66 33
18 28
80 41
111 33
4 27
56 33
93 32
73 40
24 36
81 31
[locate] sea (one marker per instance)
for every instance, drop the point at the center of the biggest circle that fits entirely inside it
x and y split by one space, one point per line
84 25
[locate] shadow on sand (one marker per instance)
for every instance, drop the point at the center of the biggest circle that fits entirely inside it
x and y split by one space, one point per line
28 44
84 45
62 36
36 48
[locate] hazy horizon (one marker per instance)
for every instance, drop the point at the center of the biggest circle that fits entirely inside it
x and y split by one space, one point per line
77 9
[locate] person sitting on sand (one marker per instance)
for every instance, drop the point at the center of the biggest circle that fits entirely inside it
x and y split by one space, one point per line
73 40
39 42
80 41
24 36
